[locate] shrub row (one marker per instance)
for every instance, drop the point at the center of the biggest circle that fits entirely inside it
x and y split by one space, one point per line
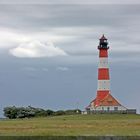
28 112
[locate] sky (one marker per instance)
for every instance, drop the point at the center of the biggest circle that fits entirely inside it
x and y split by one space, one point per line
49 56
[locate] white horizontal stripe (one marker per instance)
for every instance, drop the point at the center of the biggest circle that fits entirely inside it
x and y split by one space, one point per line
103 62
103 84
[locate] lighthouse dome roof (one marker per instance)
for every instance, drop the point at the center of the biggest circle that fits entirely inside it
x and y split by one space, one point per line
103 37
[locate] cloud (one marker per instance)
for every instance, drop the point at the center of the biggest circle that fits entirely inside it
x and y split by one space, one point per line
35 49
10 38
69 2
63 68
69 26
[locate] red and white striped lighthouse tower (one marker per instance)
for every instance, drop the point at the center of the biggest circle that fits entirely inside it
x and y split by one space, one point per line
103 71
104 101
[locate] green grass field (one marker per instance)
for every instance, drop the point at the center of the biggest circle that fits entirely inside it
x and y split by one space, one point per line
73 125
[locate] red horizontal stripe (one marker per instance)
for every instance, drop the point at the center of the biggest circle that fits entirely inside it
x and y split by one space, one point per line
103 74
103 53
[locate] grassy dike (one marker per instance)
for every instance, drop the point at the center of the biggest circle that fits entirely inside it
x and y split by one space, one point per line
73 125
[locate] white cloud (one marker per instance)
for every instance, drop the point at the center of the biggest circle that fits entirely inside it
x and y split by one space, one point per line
63 68
10 38
33 49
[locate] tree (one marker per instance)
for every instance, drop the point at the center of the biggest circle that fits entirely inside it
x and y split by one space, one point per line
10 112
28 112
60 112
50 112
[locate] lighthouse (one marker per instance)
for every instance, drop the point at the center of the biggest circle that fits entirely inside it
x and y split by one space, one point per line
104 101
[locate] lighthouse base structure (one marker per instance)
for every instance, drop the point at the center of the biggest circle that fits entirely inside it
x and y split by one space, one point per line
107 104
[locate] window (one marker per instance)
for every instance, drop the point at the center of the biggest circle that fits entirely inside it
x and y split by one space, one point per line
108 108
115 108
102 108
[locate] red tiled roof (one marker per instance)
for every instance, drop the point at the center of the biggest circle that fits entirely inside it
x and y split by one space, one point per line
109 100
104 100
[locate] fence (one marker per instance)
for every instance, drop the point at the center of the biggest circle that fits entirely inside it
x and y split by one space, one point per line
128 111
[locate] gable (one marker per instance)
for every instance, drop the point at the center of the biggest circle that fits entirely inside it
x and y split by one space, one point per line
109 100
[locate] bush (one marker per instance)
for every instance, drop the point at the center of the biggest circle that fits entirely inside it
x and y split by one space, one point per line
28 112
72 112
10 112
60 112
50 112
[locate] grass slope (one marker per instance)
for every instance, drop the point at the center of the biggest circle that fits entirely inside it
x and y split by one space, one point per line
73 125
